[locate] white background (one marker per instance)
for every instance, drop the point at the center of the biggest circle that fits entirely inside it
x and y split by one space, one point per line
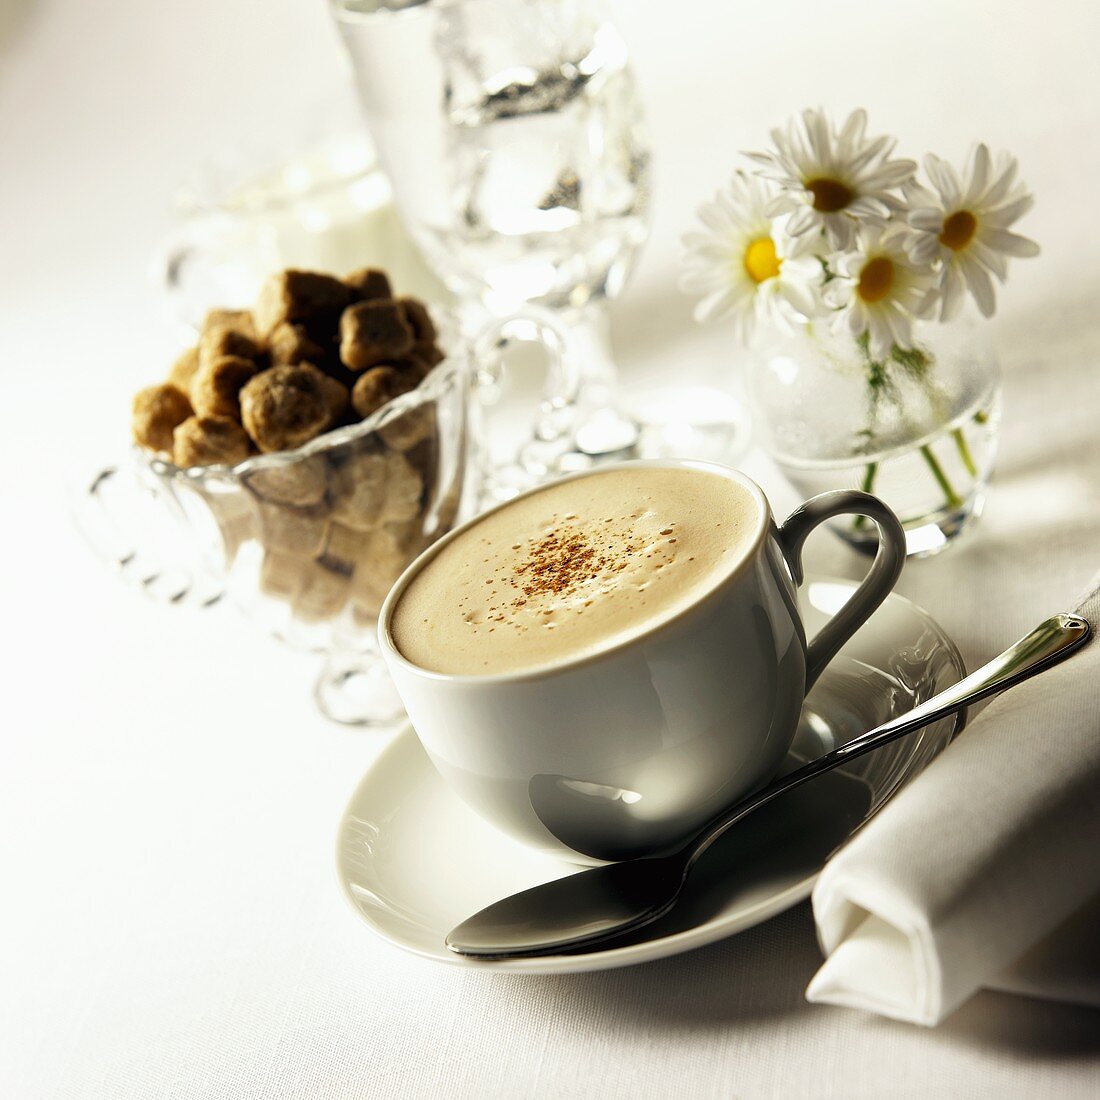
170 923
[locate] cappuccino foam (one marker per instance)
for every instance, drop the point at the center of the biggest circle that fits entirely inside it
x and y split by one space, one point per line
574 569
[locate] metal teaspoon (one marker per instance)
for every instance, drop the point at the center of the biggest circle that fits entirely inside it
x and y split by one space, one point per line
585 909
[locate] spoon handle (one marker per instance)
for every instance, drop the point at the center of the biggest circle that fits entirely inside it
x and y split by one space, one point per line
1050 642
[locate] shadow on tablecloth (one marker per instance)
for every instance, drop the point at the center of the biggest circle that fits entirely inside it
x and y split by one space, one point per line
760 976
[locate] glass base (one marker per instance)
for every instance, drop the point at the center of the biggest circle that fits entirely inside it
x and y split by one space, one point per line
355 689
924 537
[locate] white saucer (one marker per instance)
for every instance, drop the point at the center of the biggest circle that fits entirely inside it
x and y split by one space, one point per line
414 860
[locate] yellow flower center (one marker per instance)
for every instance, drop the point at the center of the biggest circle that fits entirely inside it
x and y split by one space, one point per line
760 260
958 230
876 279
829 195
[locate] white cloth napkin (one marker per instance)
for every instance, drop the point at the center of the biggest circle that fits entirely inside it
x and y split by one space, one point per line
986 870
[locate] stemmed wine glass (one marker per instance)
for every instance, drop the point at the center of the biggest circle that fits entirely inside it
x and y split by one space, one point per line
513 139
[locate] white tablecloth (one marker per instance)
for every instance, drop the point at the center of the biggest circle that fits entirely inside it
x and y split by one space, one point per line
170 923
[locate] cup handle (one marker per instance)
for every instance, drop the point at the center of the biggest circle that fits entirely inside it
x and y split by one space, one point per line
118 511
876 586
556 415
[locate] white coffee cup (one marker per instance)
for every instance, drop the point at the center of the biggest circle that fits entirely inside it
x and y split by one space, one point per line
628 751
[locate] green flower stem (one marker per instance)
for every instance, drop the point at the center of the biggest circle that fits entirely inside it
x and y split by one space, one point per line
964 452
953 498
866 485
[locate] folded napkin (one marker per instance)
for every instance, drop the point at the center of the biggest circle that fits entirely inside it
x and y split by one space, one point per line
986 870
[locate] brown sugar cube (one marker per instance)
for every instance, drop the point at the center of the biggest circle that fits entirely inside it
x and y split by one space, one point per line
367 283
361 492
282 575
423 457
336 395
299 532
284 407
300 483
371 332
429 355
386 554
157 411
296 296
221 341
209 441
412 427
239 320
344 546
420 321
323 593
379 386
376 489
183 369
216 387
404 488
291 344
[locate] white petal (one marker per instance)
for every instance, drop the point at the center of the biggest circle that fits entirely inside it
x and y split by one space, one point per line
952 288
927 219
979 172
839 230
855 319
802 220
981 287
926 305
923 249
900 328
798 296
855 126
837 293
1004 215
917 195
870 152
882 339
1011 244
1004 175
891 174
867 207
714 217
715 305
992 261
783 203
944 179
817 131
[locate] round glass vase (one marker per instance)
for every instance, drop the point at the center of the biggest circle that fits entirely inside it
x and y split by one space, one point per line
916 427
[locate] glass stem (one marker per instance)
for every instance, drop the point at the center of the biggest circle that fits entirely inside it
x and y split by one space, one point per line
588 339
866 485
953 498
964 452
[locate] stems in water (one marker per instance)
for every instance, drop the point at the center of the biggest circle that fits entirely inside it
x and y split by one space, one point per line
866 485
964 452
953 498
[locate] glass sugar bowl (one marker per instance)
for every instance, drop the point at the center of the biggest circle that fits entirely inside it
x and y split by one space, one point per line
308 542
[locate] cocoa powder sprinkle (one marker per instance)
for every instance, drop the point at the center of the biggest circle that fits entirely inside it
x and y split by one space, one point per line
558 563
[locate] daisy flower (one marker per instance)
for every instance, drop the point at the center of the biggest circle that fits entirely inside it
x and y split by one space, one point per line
964 224
878 289
830 179
744 265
